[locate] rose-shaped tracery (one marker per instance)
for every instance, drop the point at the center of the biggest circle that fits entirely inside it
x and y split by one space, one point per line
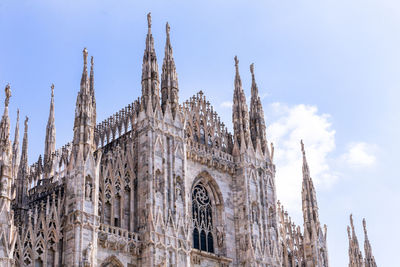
202 219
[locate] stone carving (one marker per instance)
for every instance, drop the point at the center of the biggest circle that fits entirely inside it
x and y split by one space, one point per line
220 236
87 255
4 187
88 191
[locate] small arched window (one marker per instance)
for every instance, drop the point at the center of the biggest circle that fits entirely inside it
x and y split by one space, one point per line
202 219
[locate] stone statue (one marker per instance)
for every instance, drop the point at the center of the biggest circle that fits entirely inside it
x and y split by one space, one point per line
220 236
87 255
88 191
149 20
8 95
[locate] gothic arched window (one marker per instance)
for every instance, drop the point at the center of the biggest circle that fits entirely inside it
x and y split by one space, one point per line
202 219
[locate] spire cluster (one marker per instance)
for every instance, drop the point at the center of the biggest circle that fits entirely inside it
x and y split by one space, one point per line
355 255
85 111
240 113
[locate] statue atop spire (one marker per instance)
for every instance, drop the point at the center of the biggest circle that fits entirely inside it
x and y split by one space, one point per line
236 64
167 28
8 95
149 20
85 55
169 78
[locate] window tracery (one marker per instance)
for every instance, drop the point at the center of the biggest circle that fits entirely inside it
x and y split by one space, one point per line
202 219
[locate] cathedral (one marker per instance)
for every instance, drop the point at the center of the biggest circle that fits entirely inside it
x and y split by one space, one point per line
159 183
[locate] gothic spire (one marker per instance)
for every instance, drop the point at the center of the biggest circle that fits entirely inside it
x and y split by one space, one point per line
240 113
15 149
309 199
169 78
23 166
50 141
24 155
150 81
91 86
355 255
8 232
5 144
257 122
369 258
84 113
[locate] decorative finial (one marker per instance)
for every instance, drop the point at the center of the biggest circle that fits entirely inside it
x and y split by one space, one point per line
252 69
8 94
26 122
365 226
236 62
351 221
91 60
85 54
167 28
149 20
302 147
52 90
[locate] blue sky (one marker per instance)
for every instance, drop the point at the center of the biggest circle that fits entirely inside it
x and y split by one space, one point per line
328 72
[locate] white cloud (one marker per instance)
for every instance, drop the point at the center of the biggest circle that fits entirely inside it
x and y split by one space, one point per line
294 123
226 104
360 154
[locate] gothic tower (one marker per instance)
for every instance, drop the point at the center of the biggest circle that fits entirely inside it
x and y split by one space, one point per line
160 147
82 182
7 229
255 207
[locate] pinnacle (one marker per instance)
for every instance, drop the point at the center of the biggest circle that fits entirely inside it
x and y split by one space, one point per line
149 21
85 54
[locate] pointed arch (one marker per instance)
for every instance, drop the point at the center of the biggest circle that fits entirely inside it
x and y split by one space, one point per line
112 261
207 213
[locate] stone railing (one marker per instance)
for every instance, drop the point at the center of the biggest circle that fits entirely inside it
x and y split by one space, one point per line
209 156
118 239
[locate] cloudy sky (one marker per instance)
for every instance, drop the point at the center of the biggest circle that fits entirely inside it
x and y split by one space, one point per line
327 71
